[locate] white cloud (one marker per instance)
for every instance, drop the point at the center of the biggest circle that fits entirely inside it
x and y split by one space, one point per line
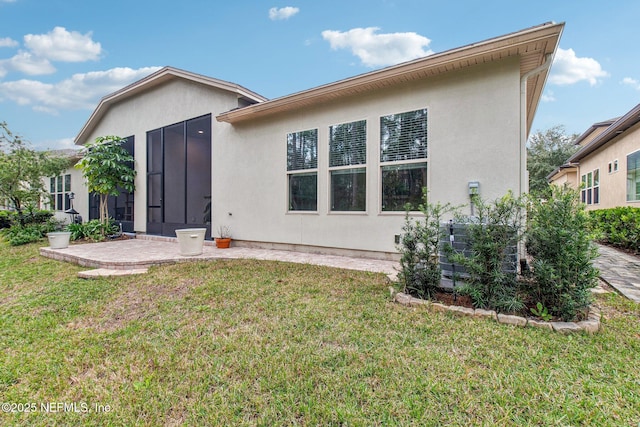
26 63
631 82
379 49
81 91
57 45
64 46
282 13
548 96
569 69
8 42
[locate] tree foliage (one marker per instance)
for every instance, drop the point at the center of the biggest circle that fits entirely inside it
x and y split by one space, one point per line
419 248
22 170
108 168
558 241
546 151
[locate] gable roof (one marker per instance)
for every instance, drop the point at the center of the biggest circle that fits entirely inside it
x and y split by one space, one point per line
158 78
533 45
616 128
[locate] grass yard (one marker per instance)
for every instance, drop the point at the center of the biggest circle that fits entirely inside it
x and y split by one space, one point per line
268 343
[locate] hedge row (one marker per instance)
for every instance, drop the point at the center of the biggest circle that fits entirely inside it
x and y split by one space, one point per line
618 227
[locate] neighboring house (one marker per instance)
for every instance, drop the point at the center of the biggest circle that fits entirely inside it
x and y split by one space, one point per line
64 188
607 167
330 169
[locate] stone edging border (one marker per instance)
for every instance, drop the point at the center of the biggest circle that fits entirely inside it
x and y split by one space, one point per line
591 325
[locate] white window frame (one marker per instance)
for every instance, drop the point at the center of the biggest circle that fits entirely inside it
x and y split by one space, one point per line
407 162
348 167
59 189
590 188
300 170
636 178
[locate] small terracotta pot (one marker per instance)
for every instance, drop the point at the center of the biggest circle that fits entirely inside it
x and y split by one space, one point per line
222 243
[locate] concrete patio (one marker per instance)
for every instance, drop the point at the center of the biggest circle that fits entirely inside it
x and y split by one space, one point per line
121 257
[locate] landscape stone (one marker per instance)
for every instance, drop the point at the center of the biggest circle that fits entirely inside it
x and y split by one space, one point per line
540 324
566 327
479 312
590 326
509 319
462 311
436 306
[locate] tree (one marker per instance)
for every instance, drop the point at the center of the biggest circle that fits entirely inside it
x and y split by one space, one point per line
545 152
22 170
108 168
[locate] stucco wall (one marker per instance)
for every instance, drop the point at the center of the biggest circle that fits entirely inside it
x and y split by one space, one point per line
176 101
474 122
81 195
613 186
473 135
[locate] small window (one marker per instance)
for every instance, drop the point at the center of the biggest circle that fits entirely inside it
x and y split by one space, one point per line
403 155
590 193
633 177
60 187
615 165
302 170
610 167
347 155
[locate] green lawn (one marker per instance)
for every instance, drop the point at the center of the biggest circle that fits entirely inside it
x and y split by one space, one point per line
267 343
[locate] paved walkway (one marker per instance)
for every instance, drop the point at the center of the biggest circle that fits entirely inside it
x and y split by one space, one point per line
620 270
133 255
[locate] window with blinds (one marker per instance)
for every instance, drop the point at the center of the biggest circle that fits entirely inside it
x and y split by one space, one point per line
403 154
403 136
347 155
348 144
302 167
302 150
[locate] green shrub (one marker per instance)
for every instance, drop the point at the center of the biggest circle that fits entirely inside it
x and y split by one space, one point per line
6 219
558 241
420 272
492 236
22 234
93 230
33 216
618 227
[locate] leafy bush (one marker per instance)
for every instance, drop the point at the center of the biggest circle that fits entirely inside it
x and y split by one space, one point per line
420 272
6 219
93 230
618 227
493 235
558 241
22 234
33 216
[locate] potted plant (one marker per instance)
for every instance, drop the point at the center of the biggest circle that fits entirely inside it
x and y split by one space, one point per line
224 239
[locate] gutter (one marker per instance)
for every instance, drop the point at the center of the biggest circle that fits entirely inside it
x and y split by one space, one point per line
524 182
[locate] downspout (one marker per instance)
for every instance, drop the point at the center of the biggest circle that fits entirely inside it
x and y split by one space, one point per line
524 181
524 185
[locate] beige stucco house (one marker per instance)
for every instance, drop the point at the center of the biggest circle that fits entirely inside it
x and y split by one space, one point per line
330 168
607 166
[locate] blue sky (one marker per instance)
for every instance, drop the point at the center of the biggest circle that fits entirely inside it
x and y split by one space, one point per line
59 57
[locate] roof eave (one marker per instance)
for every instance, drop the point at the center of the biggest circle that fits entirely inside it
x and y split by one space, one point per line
616 129
153 80
435 64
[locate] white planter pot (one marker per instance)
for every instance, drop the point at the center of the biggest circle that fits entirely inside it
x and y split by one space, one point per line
59 239
191 240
